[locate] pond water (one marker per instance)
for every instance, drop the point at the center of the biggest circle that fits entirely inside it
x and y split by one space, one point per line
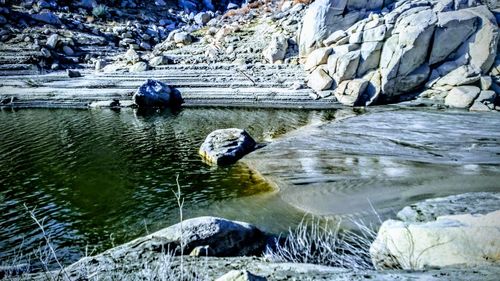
100 178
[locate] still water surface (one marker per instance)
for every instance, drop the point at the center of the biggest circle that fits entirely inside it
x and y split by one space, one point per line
99 178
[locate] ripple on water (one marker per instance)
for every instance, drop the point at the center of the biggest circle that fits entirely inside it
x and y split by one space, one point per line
99 177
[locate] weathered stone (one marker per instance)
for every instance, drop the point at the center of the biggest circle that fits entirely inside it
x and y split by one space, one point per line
52 41
462 96
138 67
365 4
47 17
485 82
406 50
462 75
375 34
453 28
449 240
158 60
369 57
483 44
68 51
486 101
319 80
182 38
334 37
467 203
346 66
322 18
131 56
240 275
317 57
350 92
73 73
276 50
226 146
202 18
156 94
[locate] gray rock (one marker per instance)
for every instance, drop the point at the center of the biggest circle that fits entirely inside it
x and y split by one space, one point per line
369 57
486 101
276 50
375 34
462 96
462 75
73 73
138 67
365 4
202 18
346 66
156 94
485 82
322 18
467 203
131 56
350 92
47 17
240 275
52 41
226 146
319 80
68 51
334 37
158 60
453 28
317 57
183 38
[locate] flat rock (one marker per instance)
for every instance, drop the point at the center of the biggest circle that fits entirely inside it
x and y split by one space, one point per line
226 146
467 203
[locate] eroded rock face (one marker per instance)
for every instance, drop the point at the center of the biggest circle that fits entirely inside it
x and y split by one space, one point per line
416 46
154 93
449 240
226 146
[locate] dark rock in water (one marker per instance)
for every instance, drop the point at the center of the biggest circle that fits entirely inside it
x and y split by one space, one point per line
47 17
226 146
157 94
468 203
73 73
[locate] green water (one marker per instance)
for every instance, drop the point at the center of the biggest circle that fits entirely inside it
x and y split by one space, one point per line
99 178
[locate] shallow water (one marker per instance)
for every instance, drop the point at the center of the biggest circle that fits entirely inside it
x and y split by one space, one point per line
383 160
100 178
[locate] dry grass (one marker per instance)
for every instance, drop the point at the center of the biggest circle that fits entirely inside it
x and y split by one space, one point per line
323 242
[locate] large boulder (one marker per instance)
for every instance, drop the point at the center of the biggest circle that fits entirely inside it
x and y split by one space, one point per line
449 240
351 92
406 50
322 18
154 93
223 237
467 203
319 80
226 146
462 97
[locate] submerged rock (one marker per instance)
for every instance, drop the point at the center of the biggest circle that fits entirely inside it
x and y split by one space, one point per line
226 146
450 240
154 93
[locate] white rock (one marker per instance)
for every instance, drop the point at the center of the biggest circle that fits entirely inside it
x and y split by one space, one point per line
346 66
450 240
462 96
276 50
334 37
375 34
486 82
319 80
370 57
240 275
138 67
350 92
317 57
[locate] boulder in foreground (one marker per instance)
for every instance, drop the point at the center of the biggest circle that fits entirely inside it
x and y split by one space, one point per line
450 240
154 93
226 146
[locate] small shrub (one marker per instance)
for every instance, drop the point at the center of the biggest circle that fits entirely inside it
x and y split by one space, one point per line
100 11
